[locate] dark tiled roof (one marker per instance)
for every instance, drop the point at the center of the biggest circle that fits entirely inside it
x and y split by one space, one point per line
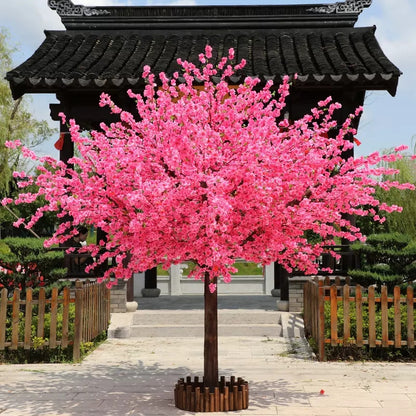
75 16
110 59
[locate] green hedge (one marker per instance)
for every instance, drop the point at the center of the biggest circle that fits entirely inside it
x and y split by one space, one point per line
388 259
26 263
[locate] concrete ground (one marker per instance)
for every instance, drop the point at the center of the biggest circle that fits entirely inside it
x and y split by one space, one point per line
136 376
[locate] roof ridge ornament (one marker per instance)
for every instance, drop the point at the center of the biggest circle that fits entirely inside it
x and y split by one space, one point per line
67 8
347 6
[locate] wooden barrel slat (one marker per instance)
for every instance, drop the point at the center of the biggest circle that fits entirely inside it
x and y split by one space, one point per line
193 396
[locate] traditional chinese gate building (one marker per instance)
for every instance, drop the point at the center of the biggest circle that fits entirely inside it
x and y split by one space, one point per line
104 49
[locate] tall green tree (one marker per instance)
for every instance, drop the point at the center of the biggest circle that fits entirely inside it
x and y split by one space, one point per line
405 222
16 122
396 222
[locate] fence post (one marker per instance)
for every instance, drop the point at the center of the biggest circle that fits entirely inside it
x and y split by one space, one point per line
334 315
371 317
53 322
28 318
359 315
410 322
65 317
321 327
3 315
15 319
397 318
384 317
79 305
347 326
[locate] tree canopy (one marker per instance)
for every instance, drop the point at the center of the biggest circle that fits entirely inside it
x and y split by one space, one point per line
210 172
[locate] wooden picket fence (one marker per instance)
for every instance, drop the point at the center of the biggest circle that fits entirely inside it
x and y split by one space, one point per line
318 292
92 316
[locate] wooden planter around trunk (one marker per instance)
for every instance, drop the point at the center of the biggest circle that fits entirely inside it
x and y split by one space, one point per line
227 396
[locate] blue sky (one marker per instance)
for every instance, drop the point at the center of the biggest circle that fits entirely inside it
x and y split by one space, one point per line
387 121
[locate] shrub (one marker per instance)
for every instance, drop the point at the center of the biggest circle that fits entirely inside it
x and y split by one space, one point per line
388 259
351 350
24 262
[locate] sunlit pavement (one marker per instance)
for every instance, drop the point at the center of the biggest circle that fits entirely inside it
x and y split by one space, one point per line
136 376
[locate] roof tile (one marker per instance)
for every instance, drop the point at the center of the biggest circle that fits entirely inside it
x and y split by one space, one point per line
70 59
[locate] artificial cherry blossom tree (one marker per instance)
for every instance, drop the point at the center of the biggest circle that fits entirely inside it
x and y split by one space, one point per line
211 172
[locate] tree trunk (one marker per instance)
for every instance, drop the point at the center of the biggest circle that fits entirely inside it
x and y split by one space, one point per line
211 336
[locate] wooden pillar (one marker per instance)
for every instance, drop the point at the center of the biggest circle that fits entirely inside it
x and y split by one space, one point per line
150 289
150 278
66 145
282 280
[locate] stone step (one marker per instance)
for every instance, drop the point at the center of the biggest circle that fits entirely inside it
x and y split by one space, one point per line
143 331
191 323
197 317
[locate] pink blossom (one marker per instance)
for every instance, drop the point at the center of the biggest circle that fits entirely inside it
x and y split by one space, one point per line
401 148
63 117
6 201
208 51
19 222
13 144
146 71
202 58
208 175
212 287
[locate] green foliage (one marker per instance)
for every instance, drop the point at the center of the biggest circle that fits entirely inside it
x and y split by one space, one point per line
26 263
400 222
388 258
4 249
16 122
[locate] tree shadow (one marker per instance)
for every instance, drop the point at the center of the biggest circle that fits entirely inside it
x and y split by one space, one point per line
126 389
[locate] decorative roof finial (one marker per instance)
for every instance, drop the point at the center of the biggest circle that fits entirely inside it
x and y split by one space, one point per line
67 8
347 6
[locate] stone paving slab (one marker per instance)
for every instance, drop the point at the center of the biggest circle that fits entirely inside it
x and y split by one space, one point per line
136 377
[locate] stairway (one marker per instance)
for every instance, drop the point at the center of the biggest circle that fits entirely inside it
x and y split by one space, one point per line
179 323
183 316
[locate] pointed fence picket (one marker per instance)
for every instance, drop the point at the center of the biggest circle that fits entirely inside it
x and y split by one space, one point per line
92 316
318 293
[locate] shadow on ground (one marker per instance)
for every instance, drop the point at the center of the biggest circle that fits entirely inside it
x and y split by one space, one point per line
115 390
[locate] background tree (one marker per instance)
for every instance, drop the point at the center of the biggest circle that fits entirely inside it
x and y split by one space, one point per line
16 123
210 174
396 222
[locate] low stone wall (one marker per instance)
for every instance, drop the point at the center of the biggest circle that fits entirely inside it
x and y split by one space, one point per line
296 292
118 297
296 284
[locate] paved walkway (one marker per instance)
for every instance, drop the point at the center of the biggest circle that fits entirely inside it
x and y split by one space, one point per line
136 376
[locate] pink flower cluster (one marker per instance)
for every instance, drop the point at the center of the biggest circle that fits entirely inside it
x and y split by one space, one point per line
211 174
